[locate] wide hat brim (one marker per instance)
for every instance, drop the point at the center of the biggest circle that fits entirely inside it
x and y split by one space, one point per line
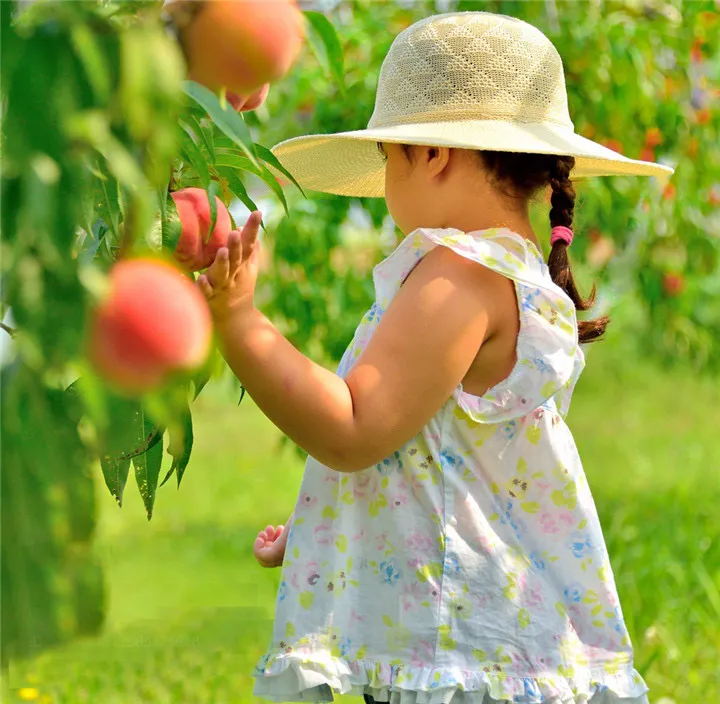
350 164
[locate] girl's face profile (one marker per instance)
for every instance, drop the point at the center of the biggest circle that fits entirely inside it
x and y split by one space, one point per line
403 192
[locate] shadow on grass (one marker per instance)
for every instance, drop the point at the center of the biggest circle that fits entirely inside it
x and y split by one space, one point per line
198 656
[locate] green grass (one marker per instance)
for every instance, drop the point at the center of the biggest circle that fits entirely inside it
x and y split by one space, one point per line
189 612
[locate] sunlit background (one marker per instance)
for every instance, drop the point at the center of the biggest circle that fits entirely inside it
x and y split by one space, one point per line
177 610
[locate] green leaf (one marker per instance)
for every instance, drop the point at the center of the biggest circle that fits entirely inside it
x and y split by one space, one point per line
326 46
190 151
93 59
147 468
115 471
266 155
276 188
119 436
181 460
231 158
237 187
228 159
201 380
227 120
203 133
162 195
213 192
171 227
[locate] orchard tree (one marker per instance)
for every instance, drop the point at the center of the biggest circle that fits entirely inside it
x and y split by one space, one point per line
116 176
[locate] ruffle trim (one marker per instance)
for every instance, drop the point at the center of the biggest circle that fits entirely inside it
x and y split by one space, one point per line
294 677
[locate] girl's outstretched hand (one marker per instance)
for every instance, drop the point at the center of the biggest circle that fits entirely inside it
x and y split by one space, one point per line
229 283
269 547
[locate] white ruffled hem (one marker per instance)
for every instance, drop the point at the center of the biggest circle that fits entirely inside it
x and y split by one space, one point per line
293 677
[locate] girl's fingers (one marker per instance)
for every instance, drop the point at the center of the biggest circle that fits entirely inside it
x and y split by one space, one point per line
250 233
204 285
235 249
219 270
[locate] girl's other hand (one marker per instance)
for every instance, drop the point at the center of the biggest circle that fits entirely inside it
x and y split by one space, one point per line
269 547
229 283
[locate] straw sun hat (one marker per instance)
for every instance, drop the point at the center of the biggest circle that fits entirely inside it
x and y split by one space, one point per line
471 80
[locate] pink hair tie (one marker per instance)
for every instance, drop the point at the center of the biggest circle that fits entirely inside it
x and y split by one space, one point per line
560 233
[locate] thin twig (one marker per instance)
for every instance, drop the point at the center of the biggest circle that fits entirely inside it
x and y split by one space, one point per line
10 331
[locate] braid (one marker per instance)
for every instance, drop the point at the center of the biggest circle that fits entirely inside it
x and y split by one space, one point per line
561 213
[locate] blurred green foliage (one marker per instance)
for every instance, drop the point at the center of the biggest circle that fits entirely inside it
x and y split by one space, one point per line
637 73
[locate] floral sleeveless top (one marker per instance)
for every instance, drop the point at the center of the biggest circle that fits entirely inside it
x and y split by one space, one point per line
470 564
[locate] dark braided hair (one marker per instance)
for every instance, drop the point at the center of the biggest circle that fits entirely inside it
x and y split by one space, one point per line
521 176
561 213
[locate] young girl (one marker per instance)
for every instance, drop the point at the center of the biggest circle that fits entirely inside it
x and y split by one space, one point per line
445 546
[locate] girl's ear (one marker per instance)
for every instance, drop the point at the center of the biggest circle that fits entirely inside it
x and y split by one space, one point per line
437 159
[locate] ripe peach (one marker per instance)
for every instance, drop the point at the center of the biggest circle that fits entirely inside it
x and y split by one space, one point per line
242 103
195 251
242 44
153 322
673 284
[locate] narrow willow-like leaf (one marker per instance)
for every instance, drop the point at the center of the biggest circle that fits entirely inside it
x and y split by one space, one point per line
182 460
171 227
147 466
236 185
115 471
266 155
229 160
275 187
204 133
94 60
201 381
190 150
214 191
227 120
326 46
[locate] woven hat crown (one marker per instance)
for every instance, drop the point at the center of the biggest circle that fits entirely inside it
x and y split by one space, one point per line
471 66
